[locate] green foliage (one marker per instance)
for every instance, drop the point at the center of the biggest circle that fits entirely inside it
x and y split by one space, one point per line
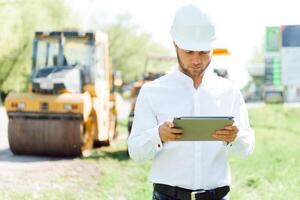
129 48
19 20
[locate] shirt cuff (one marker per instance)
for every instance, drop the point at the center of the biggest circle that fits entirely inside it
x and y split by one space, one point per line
155 138
228 145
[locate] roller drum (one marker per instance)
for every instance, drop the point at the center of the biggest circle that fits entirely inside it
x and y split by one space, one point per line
45 134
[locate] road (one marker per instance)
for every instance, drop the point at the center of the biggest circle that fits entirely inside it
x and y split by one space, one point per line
33 173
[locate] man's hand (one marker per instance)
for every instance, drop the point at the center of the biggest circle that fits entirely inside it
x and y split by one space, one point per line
167 132
227 134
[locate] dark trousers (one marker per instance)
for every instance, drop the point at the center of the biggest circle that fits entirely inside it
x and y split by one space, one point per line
160 196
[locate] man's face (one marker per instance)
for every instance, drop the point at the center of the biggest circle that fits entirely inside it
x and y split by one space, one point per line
193 63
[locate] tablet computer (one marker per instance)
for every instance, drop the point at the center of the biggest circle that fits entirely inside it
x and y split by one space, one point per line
201 128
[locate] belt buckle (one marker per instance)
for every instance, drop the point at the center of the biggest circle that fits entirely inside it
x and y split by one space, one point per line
194 193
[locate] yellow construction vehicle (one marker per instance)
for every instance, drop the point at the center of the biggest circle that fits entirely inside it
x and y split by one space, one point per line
70 104
147 76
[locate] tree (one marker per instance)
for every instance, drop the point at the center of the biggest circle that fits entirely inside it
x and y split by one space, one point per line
129 47
19 20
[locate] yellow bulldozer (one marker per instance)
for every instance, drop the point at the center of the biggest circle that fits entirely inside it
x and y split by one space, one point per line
70 105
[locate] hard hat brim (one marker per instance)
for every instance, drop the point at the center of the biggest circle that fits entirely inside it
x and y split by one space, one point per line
195 46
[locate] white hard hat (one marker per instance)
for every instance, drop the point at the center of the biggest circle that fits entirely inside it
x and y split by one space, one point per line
192 29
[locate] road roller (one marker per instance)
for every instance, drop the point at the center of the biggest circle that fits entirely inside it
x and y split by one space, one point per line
70 103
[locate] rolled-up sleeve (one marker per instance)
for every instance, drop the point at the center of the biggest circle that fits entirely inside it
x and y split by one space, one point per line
245 141
144 141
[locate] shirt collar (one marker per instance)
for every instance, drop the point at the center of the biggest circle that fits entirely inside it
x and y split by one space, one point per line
188 80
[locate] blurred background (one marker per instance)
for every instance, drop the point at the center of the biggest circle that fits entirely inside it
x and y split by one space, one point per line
105 51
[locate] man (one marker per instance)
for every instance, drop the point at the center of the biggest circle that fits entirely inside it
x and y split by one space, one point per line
189 170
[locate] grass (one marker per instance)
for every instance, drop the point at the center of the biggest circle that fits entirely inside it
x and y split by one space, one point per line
121 177
271 172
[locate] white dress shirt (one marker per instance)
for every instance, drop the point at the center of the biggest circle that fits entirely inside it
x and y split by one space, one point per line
191 165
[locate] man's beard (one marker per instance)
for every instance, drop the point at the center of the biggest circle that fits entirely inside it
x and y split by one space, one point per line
187 72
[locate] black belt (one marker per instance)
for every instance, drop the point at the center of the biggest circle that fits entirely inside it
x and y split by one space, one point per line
186 194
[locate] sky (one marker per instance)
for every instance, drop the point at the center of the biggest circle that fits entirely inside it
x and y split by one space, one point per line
240 24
